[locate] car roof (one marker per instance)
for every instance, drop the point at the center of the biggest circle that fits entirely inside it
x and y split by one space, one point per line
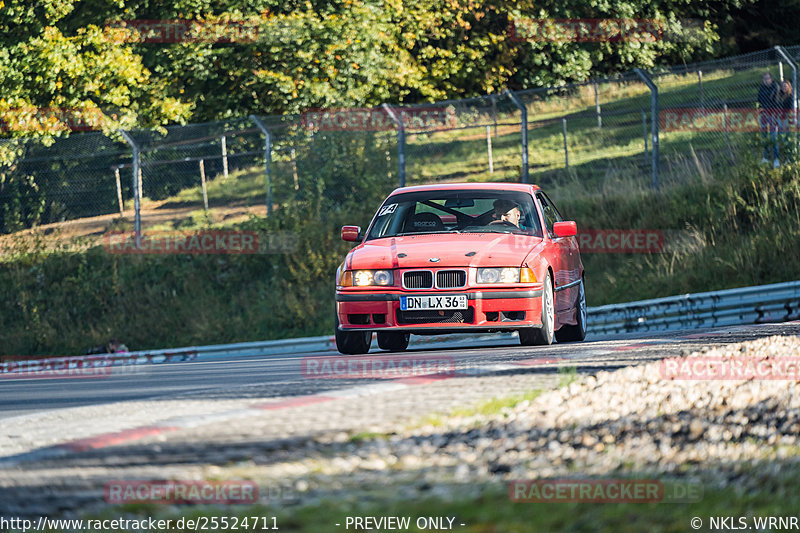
494 186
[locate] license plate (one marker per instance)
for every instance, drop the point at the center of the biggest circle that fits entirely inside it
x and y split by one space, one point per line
457 301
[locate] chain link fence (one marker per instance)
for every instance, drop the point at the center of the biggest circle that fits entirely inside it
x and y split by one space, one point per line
647 129
476 139
714 114
589 132
50 182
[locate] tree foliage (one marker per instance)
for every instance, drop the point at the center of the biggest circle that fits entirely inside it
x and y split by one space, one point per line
323 53
52 81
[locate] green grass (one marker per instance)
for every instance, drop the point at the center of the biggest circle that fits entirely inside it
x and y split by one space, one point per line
594 152
487 508
243 186
491 406
366 435
496 406
567 376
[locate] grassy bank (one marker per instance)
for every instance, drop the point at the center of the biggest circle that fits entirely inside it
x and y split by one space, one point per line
493 511
736 227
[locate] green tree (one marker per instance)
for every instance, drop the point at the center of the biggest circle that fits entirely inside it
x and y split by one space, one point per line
50 82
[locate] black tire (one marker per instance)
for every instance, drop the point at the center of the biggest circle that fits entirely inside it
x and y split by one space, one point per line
394 341
577 332
352 342
542 336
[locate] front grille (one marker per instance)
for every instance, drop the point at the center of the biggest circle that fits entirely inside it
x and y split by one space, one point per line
436 317
418 279
451 279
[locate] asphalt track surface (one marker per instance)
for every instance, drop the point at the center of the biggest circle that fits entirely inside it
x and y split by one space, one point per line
283 377
65 438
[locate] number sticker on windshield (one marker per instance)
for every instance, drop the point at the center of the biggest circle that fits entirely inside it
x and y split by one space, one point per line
385 210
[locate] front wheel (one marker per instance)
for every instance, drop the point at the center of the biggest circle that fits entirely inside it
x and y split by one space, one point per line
542 335
394 341
577 332
352 342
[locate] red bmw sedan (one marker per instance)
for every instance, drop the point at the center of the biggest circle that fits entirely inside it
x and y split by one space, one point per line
461 258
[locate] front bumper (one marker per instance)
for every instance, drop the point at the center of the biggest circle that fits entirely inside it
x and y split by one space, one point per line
488 310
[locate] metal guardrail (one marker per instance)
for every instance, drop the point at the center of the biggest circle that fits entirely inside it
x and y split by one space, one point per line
779 302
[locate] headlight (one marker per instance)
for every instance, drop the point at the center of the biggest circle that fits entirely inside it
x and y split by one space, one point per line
505 275
382 277
364 278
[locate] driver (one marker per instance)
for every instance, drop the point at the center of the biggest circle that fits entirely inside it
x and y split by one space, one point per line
506 211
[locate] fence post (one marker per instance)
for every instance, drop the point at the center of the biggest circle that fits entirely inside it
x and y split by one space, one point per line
224 141
782 52
727 132
267 160
489 148
700 80
494 112
597 106
401 145
203 184
564 133
524 132
119 191
137 188
655 178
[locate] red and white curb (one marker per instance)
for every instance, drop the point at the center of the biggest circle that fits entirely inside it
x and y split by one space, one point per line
184 422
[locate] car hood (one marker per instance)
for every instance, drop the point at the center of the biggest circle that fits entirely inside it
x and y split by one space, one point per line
451 250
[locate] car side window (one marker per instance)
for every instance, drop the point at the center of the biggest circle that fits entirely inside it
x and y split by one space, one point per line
549 211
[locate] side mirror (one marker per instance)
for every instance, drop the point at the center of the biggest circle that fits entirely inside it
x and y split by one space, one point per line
565 229
351 233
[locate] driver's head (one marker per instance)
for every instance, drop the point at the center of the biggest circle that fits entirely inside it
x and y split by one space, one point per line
507 211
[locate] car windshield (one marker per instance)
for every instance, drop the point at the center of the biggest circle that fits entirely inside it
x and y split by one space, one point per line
456 211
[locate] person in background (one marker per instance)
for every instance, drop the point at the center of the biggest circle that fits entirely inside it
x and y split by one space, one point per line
113 346
785 117
767 102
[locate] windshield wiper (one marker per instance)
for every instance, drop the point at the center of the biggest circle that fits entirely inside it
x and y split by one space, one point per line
423 233
516 231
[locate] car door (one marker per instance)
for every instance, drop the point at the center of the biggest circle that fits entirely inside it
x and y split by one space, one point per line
564 256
